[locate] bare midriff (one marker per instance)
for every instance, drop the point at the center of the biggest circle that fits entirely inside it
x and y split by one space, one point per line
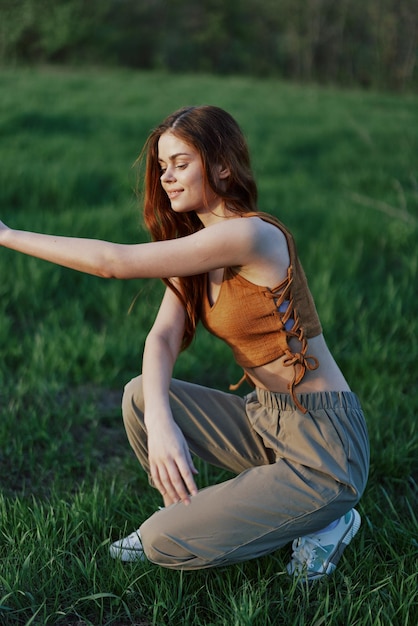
275 376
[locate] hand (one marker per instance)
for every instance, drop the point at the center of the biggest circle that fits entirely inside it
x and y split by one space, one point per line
171 464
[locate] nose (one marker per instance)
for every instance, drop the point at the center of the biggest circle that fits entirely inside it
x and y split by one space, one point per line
167 175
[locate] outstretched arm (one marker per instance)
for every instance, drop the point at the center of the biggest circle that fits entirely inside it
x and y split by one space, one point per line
229 243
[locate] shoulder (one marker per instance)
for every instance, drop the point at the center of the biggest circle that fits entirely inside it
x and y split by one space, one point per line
253 229
261 238
265 234
240 237
271 256
232 242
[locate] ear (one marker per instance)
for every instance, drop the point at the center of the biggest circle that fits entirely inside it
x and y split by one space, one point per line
223 172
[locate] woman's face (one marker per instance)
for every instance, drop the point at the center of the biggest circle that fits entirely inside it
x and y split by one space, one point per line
182 176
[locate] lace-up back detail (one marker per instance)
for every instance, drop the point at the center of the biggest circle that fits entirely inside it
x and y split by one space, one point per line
292 327
258 322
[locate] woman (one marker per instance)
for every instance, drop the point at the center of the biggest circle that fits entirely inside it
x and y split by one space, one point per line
298 442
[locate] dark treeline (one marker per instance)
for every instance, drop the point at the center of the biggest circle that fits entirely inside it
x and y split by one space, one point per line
371 43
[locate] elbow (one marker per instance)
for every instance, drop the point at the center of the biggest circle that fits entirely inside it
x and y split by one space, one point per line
105 273
160 344
109 267
153 341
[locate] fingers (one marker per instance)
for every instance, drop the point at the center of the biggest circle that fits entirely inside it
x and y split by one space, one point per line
175 482
186 471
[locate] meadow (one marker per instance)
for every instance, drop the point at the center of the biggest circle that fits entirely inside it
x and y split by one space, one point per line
340 168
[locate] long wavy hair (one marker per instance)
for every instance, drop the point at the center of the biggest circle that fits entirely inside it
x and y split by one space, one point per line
218 139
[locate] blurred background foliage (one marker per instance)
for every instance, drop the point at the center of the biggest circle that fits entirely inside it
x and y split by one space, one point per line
368 43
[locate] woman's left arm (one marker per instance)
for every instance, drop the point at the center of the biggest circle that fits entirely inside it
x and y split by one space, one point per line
229 243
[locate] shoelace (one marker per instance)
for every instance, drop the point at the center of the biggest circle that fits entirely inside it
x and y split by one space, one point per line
304 550
133 538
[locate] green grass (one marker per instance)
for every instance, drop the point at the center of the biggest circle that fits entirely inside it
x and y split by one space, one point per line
341 169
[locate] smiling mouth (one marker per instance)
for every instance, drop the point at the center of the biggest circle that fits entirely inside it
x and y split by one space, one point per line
174 194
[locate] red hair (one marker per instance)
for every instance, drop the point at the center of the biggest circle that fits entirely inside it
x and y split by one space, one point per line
219 141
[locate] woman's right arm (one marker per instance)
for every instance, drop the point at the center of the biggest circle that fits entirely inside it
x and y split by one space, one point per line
171 464
230 243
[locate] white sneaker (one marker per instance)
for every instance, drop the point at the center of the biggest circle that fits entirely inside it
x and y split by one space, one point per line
129 548
317 555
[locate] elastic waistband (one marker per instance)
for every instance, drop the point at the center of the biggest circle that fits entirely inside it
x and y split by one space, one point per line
310 401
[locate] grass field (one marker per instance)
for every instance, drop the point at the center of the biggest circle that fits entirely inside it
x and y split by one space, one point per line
341 169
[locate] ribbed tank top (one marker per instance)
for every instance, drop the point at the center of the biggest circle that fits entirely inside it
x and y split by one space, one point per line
257 322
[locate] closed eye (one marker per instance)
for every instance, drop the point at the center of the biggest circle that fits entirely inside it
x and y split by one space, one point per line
179 166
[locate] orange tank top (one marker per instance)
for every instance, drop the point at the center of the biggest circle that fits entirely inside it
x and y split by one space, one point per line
257 322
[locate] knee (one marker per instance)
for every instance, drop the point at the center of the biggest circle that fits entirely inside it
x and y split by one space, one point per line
161 546
154 540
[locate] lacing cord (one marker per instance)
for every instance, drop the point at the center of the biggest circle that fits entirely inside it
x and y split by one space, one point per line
300 364
300 361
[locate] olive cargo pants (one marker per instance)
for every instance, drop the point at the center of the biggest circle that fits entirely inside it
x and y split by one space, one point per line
296 472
